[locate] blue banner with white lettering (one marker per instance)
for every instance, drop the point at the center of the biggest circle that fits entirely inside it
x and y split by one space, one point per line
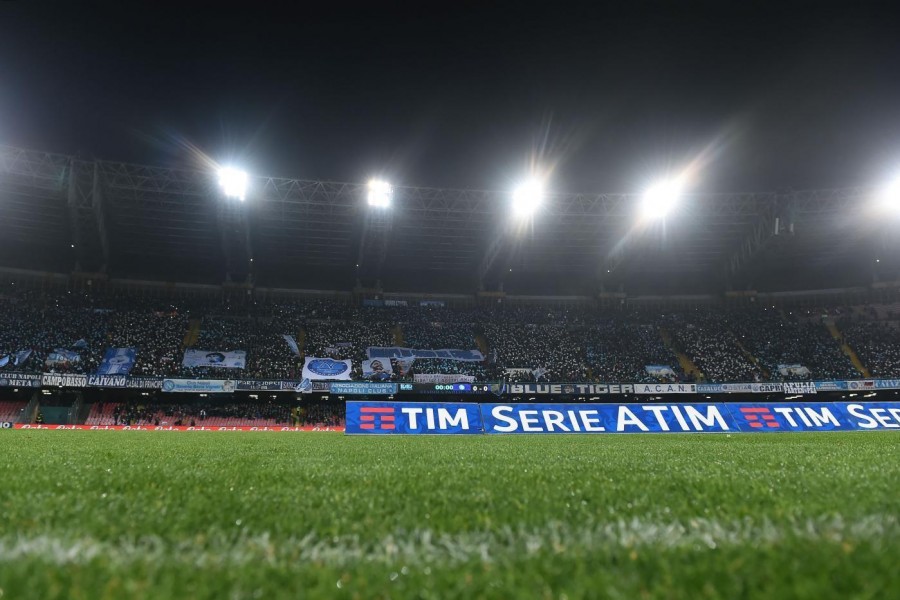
605 418
117 361
363 387
732 417
413 418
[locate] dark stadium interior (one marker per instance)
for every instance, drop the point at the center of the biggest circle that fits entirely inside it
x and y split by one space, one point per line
439 300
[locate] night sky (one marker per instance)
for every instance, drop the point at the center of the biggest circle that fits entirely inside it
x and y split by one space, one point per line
794 95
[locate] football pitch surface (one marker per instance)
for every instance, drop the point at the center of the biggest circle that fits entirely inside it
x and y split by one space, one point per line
321 515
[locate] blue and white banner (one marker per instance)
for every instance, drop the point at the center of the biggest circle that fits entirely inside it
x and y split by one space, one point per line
292 344
232 359
198 386
795 370
725 388
604 418
117 361
62 357
659 371
773 417
363 387
17 380
377 369
315 368
446 354
21 356
413 418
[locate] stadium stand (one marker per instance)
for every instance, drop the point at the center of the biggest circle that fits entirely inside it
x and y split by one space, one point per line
11 411
520 342
212 414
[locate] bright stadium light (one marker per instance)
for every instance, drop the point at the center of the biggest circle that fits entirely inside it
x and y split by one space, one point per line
380 193
661 198
890 196
233 182
528 197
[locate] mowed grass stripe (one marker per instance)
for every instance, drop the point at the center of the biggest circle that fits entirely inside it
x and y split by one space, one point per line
153 514
422 547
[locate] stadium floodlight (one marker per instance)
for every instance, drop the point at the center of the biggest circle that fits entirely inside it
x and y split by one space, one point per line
661 198
890 196
233 182
528 197
380 193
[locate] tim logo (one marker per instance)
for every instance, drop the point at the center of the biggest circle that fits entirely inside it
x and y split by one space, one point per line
760 417
376 417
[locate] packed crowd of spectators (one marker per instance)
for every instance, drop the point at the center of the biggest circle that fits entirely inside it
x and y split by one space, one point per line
779 338
620 350
520 342
878 346
706 338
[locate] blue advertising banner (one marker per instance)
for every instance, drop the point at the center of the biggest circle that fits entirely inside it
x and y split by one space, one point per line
605 418
462 418
117 361
413 418
369 388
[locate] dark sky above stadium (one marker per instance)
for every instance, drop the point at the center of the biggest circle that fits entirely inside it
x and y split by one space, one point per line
779 95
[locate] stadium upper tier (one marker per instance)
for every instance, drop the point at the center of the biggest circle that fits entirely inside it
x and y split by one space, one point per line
72 331
62 213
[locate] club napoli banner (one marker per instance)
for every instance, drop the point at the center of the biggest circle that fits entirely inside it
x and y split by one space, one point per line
462 418
232 359
317 369
117 361
20 380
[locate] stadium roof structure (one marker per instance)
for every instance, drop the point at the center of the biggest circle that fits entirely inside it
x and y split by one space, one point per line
64 213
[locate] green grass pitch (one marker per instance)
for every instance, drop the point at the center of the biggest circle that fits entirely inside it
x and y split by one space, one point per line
262 515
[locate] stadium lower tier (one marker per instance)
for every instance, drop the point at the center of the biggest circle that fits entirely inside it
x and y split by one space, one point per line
99 338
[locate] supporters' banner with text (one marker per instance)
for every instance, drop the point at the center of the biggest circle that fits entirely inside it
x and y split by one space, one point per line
74 380
231 359
665 388
20 380
315 368
117 361
364 388
198 386
445 353
442 378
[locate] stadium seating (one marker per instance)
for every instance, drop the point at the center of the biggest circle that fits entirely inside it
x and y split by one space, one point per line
10 411
521 342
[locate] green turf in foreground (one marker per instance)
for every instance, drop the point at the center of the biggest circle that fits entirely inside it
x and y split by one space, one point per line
246 515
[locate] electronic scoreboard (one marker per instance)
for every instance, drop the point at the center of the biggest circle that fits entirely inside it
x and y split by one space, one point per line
445 388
